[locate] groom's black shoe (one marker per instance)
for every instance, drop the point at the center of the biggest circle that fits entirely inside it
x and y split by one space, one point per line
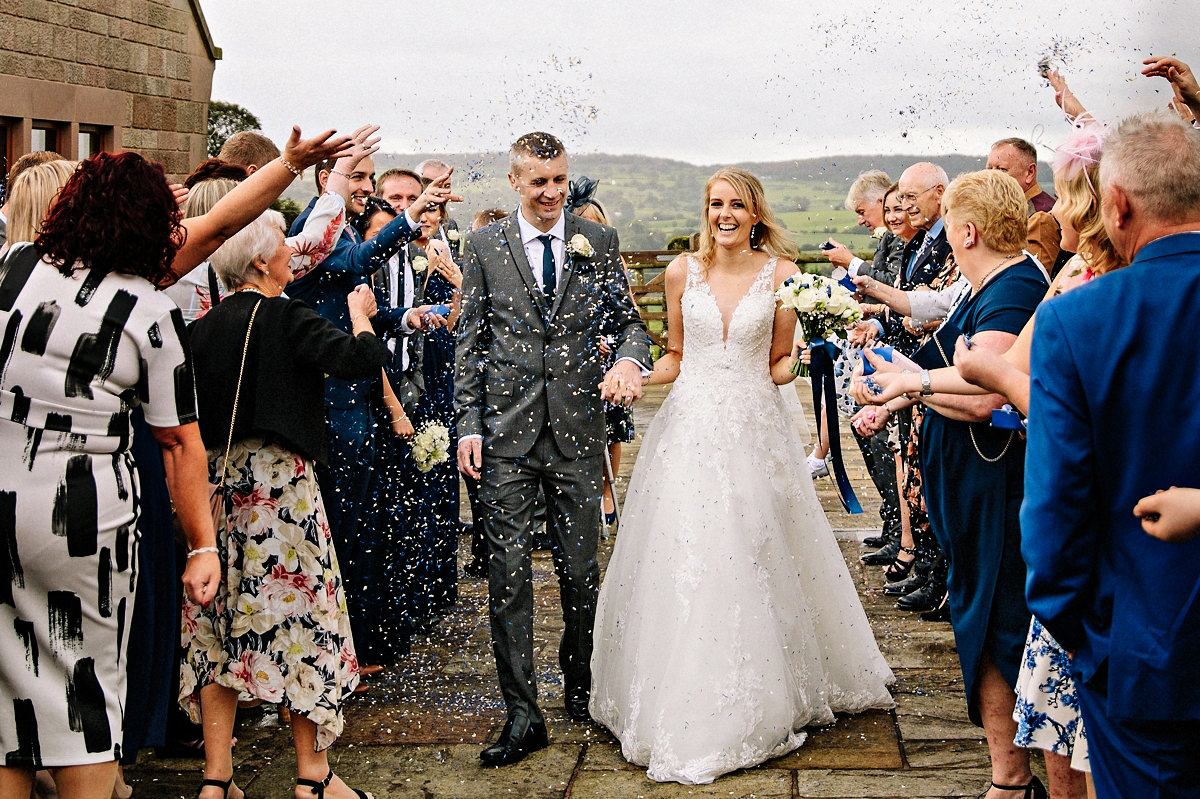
519 737
927 597
575 700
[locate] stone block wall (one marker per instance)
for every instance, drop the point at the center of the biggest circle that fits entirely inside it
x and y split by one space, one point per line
134 74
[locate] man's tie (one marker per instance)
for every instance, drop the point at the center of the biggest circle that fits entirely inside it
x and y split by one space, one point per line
548 278
924 248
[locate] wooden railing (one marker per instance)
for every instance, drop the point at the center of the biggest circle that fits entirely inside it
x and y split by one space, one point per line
646 268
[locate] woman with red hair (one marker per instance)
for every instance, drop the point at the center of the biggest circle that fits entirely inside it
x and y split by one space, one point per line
86 337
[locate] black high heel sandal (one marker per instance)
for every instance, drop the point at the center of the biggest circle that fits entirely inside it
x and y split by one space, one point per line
1033 789
224 786
318 788
898 569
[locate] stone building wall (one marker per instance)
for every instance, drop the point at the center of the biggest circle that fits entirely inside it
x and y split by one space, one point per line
78 76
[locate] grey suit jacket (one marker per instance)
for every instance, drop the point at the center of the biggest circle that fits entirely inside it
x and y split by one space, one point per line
522 363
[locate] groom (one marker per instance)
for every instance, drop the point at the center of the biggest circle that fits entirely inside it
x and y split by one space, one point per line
535 288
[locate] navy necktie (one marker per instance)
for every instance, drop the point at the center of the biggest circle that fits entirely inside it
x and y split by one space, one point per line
548 278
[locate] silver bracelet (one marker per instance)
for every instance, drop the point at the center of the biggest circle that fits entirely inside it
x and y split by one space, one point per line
202 550
346 175
290 168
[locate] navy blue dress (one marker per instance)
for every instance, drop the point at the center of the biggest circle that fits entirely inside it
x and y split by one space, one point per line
974 504
439 486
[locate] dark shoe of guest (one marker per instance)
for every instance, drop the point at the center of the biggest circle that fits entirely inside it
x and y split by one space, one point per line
927 597
318 788
899 568
940 613
1032 789
519 737
476 568
906 587
882 557
575 700
877 541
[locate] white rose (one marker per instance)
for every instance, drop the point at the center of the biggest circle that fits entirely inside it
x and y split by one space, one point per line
579 245
420 264
879 231
453 235
806 301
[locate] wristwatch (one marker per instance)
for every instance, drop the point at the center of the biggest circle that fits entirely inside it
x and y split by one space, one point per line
926 388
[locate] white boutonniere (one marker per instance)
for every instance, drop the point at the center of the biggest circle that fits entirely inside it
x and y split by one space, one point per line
879 232
419 265
579 245
453 235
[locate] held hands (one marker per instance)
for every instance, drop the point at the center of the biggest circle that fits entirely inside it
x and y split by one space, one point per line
443 264
363 143
838 255
202 577
1178 73
863 334
436 193
1172 515
623 384
361 302
870 420
181 193
422 318
307 152
470 456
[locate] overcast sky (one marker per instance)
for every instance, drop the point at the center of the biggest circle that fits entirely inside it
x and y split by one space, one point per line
700 81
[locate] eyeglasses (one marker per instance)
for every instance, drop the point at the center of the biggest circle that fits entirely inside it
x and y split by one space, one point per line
907 199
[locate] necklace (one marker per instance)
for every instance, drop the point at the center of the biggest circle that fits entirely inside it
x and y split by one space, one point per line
253 289
992 271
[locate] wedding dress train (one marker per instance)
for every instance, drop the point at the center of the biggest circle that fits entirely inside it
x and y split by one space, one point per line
727 619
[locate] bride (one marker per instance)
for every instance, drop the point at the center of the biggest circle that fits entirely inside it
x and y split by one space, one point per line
727 619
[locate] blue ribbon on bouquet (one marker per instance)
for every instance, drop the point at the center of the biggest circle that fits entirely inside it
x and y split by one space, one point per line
820 370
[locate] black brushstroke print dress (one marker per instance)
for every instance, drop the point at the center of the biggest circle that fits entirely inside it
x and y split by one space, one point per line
76 353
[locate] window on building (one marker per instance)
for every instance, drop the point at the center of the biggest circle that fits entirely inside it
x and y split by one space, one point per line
92 140
43 137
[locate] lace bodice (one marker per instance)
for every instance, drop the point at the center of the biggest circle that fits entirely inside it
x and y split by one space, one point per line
710 355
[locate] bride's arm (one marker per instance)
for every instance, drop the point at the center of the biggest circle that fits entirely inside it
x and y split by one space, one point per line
783 349
666 368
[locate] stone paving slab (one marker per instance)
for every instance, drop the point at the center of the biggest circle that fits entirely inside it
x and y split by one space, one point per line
419 730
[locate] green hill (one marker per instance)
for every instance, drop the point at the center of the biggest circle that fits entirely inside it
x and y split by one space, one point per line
649 200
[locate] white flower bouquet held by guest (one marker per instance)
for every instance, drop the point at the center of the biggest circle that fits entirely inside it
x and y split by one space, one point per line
431 446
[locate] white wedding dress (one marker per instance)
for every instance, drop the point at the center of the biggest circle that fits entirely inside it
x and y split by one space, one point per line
727 619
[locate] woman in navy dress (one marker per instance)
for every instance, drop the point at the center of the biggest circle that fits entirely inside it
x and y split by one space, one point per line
974 473
442 280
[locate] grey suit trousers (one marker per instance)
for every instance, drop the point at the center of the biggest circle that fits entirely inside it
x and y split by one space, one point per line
508 490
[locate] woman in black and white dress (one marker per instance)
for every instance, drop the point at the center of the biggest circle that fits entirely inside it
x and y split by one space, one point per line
86 337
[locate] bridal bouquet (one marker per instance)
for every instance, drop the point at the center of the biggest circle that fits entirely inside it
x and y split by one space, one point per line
822 305
431 446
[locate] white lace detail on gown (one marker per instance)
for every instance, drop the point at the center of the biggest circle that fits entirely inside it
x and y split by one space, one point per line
727 619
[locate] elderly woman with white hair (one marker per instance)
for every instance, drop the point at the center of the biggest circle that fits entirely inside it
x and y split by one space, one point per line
278 628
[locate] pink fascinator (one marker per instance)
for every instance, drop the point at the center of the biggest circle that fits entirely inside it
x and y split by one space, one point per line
1081 149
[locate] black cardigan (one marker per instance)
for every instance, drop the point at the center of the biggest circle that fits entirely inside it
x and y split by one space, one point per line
283 390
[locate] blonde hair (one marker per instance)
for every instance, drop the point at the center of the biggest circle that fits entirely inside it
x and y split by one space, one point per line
205 194
767 235
1079 205
591 212
31 195
994 202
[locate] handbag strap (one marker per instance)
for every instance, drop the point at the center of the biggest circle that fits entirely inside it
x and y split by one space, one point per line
237 393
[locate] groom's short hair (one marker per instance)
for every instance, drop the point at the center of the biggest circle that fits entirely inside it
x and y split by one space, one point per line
538 145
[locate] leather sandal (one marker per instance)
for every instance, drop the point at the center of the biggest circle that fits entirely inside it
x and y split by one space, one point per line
898 569
224 786
318 788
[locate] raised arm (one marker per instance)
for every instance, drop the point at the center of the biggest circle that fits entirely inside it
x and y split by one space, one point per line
204 234
1182 79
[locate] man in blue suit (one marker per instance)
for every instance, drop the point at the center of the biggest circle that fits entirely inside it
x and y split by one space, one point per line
349 427
1114 417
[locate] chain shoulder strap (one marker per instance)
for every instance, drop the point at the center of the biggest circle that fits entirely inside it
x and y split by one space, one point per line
237 394
971 425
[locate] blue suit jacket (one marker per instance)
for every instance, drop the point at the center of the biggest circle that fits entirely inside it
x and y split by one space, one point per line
1114 416
348 266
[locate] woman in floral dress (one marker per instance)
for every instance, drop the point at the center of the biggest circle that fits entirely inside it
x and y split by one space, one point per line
278 629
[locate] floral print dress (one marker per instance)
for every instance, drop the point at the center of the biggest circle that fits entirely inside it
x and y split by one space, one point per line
278 628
